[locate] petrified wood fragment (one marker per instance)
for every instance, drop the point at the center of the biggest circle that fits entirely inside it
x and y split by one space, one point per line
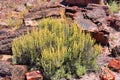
83 2
43 13
6 37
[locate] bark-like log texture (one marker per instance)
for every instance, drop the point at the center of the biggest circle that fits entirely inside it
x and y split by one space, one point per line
84 2
43 11
14 72
6 37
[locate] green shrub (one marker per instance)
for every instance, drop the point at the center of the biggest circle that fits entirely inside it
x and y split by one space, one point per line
114 6
58 49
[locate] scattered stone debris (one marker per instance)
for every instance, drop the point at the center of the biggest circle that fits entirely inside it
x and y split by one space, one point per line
106 74
34 75
30 23
115 51
83 2
115 64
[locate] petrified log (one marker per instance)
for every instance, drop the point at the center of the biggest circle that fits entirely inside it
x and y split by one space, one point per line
43 13
95 15
85 23
83 2
6 37
91 17
94 7
77 2
44 7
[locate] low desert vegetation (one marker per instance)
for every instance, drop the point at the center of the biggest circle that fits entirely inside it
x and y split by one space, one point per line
58 49
114 6
14 22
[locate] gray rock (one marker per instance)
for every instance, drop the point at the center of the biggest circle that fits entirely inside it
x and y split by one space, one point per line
21 8
86 24
96 11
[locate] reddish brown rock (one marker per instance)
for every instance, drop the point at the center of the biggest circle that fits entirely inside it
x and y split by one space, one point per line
106 74
77 2
115 64
101 37
119 71
34 75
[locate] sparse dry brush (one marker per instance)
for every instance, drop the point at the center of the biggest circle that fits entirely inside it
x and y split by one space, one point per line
58 49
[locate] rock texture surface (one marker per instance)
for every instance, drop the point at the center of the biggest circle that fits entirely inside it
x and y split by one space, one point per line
12 72
83 2
7 36
34 75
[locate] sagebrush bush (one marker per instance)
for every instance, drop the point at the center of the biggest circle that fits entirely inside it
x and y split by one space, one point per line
114 6
58 49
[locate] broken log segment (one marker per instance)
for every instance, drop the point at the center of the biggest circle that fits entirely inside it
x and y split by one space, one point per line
43 13
7 37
